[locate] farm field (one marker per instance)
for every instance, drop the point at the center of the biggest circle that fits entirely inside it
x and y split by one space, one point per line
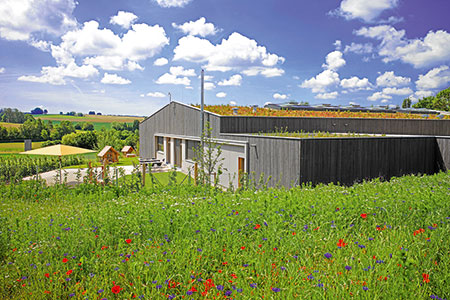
8 125
227 110
99 122
377 240
16 147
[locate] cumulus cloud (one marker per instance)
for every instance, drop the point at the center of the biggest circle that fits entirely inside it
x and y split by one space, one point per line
391 80
172 3
162 61
199 27
433 79
319 83
56 75
378 96
428 51
2 70
356 83
234 80
209 86
221 95
235 53
397 91
177 75
123 19
156 94
331 95
365 10
359 48
334 61
19 19
114 79
422 94
279 96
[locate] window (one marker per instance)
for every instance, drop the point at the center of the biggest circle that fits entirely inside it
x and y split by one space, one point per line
190 146
159 143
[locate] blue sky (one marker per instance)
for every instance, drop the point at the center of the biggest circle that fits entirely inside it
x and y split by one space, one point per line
124 57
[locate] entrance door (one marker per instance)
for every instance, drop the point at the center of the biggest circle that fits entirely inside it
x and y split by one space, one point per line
178 158
168 152
241 170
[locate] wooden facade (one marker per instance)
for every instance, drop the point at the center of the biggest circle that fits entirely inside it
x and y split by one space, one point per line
108 155
293 161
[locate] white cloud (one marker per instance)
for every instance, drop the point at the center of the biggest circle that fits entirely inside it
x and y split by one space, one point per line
235 53
172 3
359 48
396 91
356 83
209 86
377 96
368 11
389 79
428 51
295 77
19 19
280 96
334 61
156 95
2 70
385 101
177 75
123 19
199 27
331 95
338 44
56 75
422 94
234 80
168 78
435 78
180 71
323 80
162 61
221 95
114 79
109 51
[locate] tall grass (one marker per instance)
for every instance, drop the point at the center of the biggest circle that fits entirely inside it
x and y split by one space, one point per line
377 240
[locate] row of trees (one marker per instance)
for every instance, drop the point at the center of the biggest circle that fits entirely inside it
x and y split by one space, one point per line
11 115
439 102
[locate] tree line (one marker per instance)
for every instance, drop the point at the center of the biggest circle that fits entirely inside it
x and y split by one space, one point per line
439 102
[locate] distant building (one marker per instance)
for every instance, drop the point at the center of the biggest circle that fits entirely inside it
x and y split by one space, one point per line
127 151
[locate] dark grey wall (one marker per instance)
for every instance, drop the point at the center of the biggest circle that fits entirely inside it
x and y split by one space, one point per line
272 156
350 160
249 124
174 118
443 155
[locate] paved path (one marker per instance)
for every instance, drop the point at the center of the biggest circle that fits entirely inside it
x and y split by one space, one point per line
49 176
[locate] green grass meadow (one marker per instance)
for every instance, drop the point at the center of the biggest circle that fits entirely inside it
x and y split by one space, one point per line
376 240
9 148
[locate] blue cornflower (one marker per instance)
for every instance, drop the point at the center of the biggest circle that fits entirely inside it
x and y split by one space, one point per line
348 268
276 290
328 255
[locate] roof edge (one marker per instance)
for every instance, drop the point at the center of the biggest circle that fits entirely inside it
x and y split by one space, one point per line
180 103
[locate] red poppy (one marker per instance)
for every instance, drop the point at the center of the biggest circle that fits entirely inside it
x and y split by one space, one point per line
65 260
257 226
363 216
128 241
341 243
47 275
243 247
116 289
426 277
69 272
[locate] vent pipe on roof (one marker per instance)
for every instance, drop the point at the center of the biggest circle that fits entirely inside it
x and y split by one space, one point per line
235 111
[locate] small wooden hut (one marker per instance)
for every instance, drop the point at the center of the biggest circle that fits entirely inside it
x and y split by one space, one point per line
108 155
127 151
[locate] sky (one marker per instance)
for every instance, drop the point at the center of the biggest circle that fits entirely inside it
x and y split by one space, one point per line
126 56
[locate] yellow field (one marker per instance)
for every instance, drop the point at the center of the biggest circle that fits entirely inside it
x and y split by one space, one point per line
7 125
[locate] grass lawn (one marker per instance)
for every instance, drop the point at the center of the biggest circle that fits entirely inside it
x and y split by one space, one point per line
123 161
16 147
163 179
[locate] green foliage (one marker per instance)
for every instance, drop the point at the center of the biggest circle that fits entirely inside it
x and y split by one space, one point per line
406 103
85 139
425 102
439 102
12 115
159 243
117 139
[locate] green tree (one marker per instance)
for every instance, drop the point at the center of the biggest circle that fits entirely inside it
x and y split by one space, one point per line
442 100
81 139
406 103
12 115
425 102
87 126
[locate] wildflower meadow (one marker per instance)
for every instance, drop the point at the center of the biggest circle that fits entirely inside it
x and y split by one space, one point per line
376 240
